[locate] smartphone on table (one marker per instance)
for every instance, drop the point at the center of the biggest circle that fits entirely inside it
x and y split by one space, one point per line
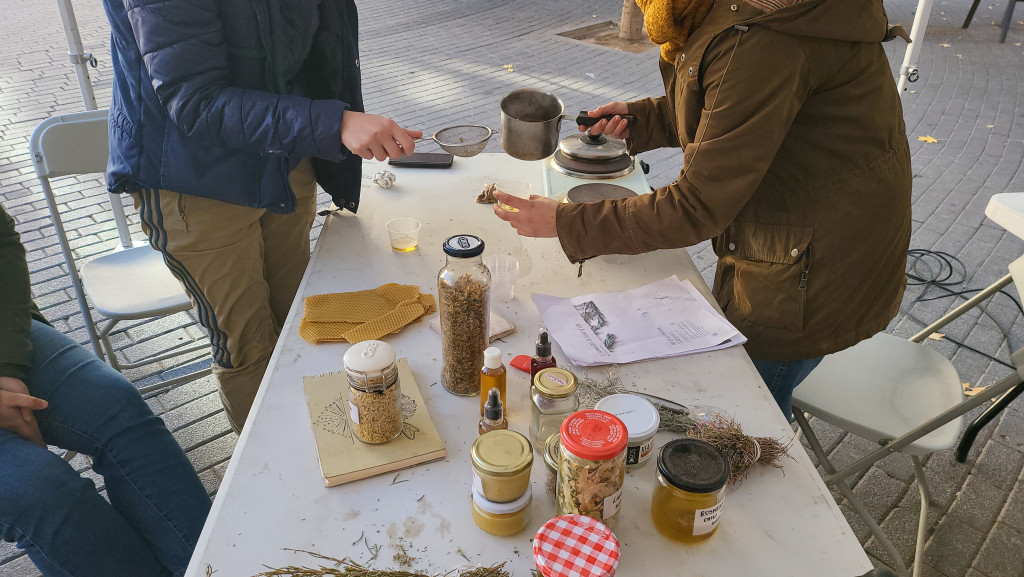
424 160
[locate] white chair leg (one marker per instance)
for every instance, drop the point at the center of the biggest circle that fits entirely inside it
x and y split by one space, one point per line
922 523
844 488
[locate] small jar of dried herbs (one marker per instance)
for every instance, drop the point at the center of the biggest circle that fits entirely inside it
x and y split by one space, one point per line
463 288
375 394
592 467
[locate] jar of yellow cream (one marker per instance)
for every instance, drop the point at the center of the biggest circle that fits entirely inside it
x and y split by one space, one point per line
502 519
502 461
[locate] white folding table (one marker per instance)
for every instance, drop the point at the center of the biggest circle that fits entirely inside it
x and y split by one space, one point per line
780 522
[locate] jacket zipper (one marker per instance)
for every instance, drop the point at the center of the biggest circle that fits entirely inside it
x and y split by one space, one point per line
270 68
807 266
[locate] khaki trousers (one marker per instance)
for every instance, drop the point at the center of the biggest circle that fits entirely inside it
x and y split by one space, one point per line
241 267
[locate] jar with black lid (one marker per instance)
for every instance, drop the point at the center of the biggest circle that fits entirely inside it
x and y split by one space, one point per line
463 291
688 500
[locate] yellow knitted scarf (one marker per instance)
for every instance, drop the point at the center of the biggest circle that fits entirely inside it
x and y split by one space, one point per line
670 22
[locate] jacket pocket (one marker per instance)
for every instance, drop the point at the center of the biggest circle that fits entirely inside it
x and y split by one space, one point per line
768 267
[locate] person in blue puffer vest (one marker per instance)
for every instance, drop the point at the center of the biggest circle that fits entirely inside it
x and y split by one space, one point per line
225 116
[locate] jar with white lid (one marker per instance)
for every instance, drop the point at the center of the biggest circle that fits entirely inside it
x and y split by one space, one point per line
375 393
642 421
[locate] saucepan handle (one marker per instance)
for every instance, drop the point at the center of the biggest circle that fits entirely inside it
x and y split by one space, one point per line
586 120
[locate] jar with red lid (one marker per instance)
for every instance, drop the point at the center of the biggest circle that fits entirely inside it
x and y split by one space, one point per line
575 546
592 466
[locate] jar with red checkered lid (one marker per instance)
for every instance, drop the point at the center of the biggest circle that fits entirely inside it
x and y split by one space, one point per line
592 466
575 546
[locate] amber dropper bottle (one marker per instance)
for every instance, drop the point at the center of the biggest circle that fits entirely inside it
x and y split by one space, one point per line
494 413
543 358
492 374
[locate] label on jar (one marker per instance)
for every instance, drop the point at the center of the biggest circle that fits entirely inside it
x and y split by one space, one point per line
645 449
478 485
705 520
353 413
612 503
638 453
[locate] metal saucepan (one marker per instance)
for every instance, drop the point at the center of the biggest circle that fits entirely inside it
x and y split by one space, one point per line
530 122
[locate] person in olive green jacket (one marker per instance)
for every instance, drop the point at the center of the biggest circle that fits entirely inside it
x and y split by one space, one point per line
53 391
796 165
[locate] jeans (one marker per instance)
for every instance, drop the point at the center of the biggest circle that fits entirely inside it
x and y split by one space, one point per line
784 376
157 503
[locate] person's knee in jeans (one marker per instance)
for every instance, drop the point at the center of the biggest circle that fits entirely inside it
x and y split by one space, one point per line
37 490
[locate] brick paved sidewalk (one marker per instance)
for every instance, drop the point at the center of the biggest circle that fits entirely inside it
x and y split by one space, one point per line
434 64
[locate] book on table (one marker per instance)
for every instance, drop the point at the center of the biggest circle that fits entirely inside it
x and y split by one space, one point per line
343 457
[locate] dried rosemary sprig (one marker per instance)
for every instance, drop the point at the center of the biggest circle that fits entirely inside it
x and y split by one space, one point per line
349 568
710 425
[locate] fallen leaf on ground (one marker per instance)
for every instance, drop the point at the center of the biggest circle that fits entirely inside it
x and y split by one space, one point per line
971 391
929 139
990 126
944 45
937 336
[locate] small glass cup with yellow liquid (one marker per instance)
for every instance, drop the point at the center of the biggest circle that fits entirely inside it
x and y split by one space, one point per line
404 234
517 188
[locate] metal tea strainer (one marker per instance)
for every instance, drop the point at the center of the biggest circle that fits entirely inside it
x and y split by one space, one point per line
463 140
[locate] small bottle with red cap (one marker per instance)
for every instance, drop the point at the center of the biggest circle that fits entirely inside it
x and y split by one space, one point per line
592 467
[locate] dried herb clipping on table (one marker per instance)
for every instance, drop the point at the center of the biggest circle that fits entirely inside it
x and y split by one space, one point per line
707 424
349 568
486 195
463 333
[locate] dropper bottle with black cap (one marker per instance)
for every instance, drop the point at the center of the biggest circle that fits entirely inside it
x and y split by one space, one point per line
543 358
494 413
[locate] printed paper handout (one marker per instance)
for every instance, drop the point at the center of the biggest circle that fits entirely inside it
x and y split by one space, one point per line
663 319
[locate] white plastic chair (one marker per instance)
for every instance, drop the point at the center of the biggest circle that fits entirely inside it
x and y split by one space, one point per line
130 282
903 395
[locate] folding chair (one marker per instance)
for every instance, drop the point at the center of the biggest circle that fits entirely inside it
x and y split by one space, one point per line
1007 17
130 282
903 395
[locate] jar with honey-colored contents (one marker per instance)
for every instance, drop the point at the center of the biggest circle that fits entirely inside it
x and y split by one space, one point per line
688 500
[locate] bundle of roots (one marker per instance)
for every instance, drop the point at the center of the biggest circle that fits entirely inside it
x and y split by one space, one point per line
705 423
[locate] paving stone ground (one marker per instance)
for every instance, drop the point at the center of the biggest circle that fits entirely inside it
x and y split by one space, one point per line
434 64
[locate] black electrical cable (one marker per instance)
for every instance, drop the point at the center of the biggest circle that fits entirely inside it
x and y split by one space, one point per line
942 270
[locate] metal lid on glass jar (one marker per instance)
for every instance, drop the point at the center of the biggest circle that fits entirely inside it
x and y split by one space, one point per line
693 465
593 435
502 453
576 546
370 365
555 383
463 246
552 451
638 414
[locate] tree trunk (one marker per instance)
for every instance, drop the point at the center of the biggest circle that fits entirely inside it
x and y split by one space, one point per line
632 27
